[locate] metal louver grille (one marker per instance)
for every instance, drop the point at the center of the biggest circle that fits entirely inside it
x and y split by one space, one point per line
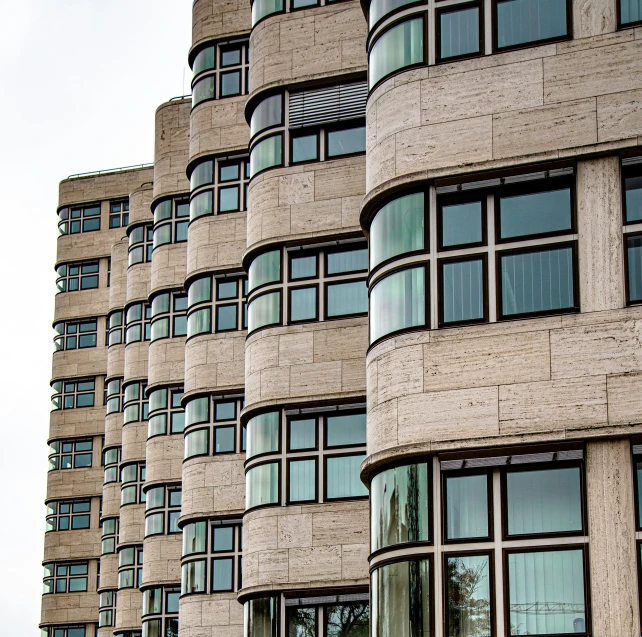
328 104
502 461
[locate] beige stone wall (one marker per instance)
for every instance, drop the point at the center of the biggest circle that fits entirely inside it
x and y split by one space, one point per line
568 99
86 421
136 355
211 615
90 245
134 441
138 280
302 363
118 284
164 459
114 429
166 361
116 359
215 362
304 45
75 545
304 202
212 20
132 524
162 559
140 201
168 267
84 303
75 483
109 571
111 499
76 363
129 608
218 127
171 148
306 546
213 485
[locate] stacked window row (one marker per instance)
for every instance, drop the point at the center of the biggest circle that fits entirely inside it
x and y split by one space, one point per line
114 395
169 315
166 416
141 243
86 217
130 567
73 394
160 612
138 318
109 533
70 454
65 577
136 404
107 608
171 218
132 477
68 515
63 631
162 510
264 8
82 275
216 304
72 335
111 458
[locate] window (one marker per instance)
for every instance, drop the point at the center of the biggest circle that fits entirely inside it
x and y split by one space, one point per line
219 545
115 328
130 567
220 70
109 534
72 394
541 552
65 577
132 476
632 204
119 214
114 396
68 515
162 510
160 611
217 304
136 405
63 631
521 22
169 315
70 454
171 218
77 276
318 451
524 225
77 219
261 617
323 123
76 334
106 608
138 322
165 413
141 242
333 616
213 425
111 457
320 284
629 13
219 186
263 8
459 32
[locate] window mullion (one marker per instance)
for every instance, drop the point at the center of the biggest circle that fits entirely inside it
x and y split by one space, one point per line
498 555
491 293
437 539
432 322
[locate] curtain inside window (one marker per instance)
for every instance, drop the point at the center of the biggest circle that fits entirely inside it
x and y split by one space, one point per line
463 290
459 32
630 11
303 480
342 477
467 506
523 21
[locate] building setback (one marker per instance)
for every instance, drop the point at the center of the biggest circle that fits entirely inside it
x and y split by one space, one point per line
429 213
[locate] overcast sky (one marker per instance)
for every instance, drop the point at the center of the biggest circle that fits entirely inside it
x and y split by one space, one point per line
79 83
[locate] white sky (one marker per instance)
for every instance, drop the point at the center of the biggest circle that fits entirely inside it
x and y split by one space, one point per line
79 83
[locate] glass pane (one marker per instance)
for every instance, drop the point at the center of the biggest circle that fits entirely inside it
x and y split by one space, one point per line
638 474
196 443
201 205
345 430
222 574
401 46
633 185
197 410
193 577
345 299
397 228
535 213
399 506
263 434
199 322
303 267
303 304
223 538
262 485
204 89
228 199
194 538
397 302
302 622
380 8
267 153
225 410
544 501
302 480
630 11
266 268
553 583
199 291
463 291
346 141
537 281
466 506
305 147
468 596
226 318
224 440
523 21
348 620
264 310
226 290
303 434
634 267
262 614
459 32
401 601
342 477
230 172
461 224
347 261
230 83
267 113
155 498
202 174
205 60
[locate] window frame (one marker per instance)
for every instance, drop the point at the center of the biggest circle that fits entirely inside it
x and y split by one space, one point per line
624 25
439 11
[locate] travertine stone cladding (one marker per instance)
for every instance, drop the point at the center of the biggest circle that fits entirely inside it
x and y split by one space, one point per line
136 355
213 485
75 483
306 546
169 264
164 459
166 361
69 608
140 201
111 500
212 19
110 185
302 202
134 441
138 280
75 544
215 362
118 280
593 17
114 429
115 360
306 362
171 148
129 608
162 563
86 421
211 615
547 102
132 524
565 377
81 304
74 363
108 573
303 45
216 243
218 126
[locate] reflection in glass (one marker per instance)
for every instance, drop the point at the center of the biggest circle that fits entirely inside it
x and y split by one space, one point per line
544 501
461 224
194 538
222 572
262 485
345 430
302 622
268 112
264 310
348 620
466 506
634 267
399 506
524 21
266 268
463 290
546 592
468 596
193 577
263 434
267 153
262 617
459 32
633 187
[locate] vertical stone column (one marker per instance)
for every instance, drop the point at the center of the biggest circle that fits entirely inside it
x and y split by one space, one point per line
593 17
599 220
611 516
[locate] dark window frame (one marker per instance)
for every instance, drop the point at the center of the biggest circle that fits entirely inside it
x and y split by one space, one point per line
439 11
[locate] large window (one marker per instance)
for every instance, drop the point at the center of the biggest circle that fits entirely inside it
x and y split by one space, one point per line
141 242
318 284
171 218
115 328
119 214
63 631
297 457
262 617
77 219
512 240
521 517
132 477
82 275
76 334
138 322
166 416
106 608
217 304
111 458
632 204
219 186
333 616
169 315
109 535
130 567
160 611
70 454
629 13
68 515
162 510
136 405
65 577
73 394
220 70
213 425
114 395
212 556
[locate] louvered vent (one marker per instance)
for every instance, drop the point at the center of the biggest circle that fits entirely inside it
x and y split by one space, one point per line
328 104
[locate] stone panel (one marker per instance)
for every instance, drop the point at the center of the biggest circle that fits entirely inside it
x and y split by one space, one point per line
138 282
140 201
85 303
211 615
164 458
129 606
78 363
113 429
118 279
132 524
211 19
166 361
134 441
169 263
116 361
86 421
162 559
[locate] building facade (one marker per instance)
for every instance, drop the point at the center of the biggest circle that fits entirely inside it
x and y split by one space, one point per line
360 353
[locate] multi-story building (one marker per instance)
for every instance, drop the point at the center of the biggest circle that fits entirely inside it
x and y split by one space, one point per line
361 352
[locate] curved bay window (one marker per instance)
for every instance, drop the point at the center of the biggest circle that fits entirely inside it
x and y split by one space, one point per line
166 416
136 405
171 218
68 515
73 394
115 328
141 242
70 454
328 616
81 275
138 322
319 283
162 509
212 556
212 425
221 70
130 567
107 608
261 617
169 315
114 395
298 456
495 250
160 611
111 457
80 218
76 334
132 477
109 535
520 516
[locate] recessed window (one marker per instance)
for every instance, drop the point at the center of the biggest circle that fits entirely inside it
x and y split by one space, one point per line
64 631
76 334
305 616
73 277
77 219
